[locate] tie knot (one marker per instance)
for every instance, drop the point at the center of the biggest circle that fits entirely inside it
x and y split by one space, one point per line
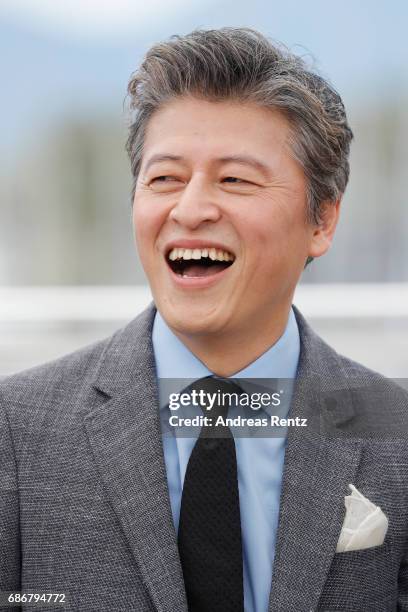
215 395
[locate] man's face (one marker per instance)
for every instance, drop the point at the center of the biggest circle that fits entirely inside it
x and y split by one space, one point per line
218 178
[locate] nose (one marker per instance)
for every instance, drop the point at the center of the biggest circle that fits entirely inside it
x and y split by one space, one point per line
195 205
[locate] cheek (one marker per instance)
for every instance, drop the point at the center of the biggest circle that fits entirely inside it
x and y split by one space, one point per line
146 221
264 229
273 238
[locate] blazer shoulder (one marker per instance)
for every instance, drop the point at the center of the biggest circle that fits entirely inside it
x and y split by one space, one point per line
66 385
355 371
379 402
326 361
340 377
36 384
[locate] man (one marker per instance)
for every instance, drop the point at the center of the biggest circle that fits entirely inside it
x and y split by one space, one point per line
240 158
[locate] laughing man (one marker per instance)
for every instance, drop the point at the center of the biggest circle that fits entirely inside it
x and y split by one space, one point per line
239 154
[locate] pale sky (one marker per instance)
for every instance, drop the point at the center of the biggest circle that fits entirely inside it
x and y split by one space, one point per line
91 18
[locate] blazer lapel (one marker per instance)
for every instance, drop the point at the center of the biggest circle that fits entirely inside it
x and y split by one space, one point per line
125 436
317 470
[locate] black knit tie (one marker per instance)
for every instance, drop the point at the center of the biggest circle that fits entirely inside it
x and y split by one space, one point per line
209 534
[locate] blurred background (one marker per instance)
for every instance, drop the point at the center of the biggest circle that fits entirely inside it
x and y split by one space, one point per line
69 273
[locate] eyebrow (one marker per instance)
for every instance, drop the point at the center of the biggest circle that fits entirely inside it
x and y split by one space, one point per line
244 160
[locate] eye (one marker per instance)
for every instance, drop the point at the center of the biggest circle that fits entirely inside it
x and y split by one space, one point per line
163 179
165 183
233 179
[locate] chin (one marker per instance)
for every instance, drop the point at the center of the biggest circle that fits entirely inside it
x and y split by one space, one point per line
190 320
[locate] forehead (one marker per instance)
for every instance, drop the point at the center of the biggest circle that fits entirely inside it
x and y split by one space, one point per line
207 129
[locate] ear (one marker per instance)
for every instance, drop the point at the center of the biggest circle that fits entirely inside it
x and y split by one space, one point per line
323 233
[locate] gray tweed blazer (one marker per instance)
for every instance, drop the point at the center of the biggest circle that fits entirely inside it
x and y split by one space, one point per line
84 504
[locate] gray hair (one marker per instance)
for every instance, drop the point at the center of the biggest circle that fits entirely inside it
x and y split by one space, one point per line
240 64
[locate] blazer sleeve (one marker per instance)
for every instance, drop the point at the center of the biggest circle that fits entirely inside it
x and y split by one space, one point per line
403 585
9 510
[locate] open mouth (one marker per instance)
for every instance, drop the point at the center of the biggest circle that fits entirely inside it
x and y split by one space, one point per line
193 263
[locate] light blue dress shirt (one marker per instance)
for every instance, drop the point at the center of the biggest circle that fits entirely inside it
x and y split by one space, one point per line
259 459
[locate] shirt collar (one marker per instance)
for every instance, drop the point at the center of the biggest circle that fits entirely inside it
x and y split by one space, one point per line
175 361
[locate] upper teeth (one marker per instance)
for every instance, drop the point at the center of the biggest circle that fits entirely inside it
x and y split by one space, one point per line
214 254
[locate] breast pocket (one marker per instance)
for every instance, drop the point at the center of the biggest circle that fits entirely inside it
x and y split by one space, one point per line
362 580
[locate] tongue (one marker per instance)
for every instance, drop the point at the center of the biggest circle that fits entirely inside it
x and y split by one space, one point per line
194 270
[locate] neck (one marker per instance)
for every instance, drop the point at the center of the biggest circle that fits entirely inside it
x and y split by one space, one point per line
227 353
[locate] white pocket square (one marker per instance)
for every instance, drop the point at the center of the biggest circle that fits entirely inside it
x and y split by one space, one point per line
365 524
